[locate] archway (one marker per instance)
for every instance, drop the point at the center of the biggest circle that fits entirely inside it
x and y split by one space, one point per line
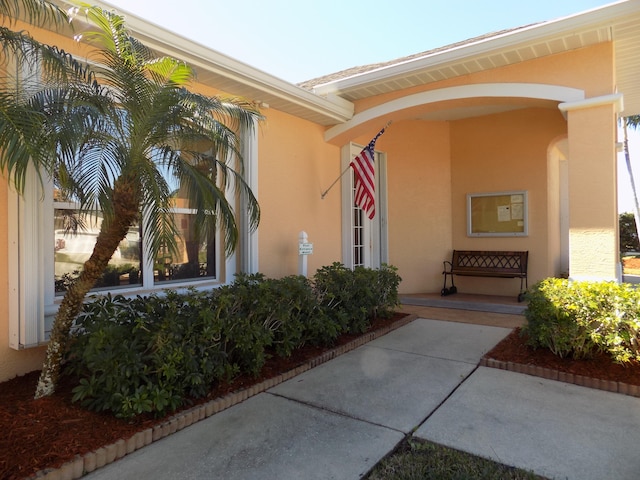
558 207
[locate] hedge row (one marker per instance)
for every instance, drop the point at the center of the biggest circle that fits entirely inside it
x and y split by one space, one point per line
150 354
576 319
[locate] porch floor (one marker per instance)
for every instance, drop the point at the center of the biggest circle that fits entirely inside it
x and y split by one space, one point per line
498 311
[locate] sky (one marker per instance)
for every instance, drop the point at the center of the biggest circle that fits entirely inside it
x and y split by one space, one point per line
298 40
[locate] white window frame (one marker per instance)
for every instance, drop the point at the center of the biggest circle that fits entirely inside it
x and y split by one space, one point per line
375 231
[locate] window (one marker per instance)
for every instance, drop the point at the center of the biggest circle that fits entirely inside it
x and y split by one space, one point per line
132 264
49 241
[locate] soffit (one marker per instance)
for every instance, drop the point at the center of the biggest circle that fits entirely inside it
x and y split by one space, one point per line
619 22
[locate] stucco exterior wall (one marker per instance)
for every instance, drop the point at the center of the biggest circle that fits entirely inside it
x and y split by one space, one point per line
593 228
582 68
295 167
419 201
497 153
500 152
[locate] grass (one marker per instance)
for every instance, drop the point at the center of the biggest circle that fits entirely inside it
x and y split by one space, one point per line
421 460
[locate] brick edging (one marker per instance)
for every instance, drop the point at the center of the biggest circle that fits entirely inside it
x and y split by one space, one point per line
89 462
552 374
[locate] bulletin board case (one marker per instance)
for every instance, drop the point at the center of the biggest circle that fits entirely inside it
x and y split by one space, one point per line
497 214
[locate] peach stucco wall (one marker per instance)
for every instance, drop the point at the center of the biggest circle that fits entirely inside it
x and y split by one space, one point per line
490 153
295 167
581 68
497 153
419 201
593 236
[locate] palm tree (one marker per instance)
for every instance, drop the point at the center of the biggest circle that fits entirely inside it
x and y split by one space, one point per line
632 121
19 48
110 142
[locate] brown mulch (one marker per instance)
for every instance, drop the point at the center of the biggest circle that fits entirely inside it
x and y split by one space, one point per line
514 349
49 432
46 433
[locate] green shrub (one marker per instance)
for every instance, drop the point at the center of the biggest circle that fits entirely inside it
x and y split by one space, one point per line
552 321
613 311
186 342
242 309
143 355
293 317
151 354
576 319
352 298
385 291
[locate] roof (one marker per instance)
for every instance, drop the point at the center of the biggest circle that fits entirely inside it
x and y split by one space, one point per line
237 78
353 71
329 100
618 22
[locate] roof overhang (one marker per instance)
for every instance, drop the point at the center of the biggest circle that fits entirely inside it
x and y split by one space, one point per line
331 103
618 22
236 78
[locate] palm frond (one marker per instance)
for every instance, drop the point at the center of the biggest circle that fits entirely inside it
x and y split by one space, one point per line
143 126
632 121
38 12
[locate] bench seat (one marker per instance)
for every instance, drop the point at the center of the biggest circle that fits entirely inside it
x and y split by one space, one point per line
486 263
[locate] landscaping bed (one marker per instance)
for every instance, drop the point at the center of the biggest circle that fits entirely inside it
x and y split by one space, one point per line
50 433
53 432
599 372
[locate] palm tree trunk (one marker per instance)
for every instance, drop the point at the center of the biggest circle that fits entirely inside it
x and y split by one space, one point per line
109 238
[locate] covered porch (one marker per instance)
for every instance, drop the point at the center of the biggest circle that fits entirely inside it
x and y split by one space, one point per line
532 111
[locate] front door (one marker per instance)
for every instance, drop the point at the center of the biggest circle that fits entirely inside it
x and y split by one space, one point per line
364 241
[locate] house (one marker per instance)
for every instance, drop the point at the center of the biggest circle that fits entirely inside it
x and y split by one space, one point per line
504 142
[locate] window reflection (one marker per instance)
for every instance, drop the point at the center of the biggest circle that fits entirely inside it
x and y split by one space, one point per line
76 234
193 258
74 238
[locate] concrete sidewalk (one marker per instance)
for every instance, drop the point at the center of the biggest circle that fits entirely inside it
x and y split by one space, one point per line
339 419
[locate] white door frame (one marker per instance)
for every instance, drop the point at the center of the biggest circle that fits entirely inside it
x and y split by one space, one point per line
374 238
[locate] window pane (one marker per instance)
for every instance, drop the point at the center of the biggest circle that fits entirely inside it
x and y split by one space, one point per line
194 259
75 237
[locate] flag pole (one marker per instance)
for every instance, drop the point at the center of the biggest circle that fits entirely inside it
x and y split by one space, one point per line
345 170
334 182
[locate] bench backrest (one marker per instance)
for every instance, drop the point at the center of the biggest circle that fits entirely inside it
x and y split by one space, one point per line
482 261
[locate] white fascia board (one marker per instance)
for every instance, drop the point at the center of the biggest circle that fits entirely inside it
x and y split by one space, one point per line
210 60
593 18
615 99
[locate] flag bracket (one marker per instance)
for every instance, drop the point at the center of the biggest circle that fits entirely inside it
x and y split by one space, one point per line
334 182
324 194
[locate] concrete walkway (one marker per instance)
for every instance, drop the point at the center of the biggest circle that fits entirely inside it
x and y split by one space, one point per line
339 419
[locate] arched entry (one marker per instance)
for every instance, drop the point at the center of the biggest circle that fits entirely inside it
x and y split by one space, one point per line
488 91
558 207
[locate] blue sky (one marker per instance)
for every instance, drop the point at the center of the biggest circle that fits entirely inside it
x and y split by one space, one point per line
297 40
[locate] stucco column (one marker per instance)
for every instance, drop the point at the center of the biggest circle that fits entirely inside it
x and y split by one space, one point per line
593 215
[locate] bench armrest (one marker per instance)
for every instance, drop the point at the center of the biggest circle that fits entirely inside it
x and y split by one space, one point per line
445 263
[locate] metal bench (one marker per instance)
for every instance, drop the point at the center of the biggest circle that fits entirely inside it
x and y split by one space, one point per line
473 263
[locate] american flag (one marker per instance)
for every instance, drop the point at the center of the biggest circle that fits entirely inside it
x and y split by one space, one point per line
364 172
